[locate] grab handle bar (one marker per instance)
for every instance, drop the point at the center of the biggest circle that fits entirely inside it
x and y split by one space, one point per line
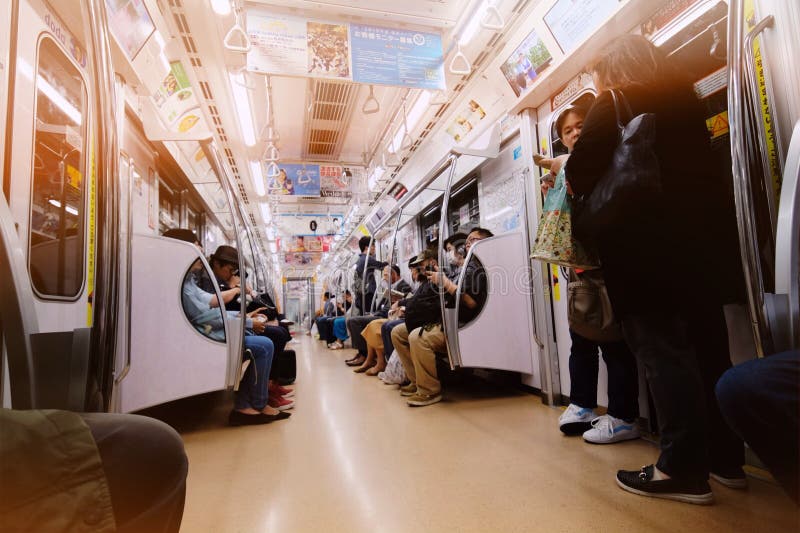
465 69
492 13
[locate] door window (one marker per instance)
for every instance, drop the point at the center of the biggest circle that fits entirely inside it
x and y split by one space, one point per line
57 217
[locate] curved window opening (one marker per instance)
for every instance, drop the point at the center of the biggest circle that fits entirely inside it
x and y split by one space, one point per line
208 321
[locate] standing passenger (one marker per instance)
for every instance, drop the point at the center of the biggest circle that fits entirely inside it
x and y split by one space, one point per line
669 270
619 423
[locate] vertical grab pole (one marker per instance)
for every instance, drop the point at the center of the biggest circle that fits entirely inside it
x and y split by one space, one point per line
103 344
449 317
745 212
216 163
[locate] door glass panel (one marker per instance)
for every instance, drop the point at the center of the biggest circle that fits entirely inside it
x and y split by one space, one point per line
57 218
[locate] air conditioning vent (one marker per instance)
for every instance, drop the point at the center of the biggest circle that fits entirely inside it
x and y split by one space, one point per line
329 109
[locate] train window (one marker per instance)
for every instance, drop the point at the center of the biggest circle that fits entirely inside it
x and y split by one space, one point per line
195 298
464 212
57 216
168 207
584 101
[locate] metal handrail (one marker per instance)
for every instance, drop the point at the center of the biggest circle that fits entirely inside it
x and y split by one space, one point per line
215 161
752 86
105 297
745 212
450 332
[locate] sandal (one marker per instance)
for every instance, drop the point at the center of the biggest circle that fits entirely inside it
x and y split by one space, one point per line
363 368
374 371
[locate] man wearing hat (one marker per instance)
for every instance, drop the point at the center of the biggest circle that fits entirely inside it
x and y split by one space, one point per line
420 337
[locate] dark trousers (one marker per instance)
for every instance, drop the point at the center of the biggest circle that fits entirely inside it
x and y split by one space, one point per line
623 381
146 467
325 328
356 325
279 337
760 401
386 335
684 353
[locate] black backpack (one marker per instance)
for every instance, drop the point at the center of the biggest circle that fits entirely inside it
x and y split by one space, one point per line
423 308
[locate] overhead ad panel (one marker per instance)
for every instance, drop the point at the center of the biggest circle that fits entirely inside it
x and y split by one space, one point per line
294 46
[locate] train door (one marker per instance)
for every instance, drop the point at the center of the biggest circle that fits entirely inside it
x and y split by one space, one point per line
50 182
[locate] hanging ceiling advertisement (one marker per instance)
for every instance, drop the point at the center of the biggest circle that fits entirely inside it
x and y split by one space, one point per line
295 46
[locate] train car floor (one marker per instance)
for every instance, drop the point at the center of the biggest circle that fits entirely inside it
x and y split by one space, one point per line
354 457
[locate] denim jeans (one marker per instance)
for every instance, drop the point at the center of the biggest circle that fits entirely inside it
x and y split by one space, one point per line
759 399
253 391
386 335
623 381
684 352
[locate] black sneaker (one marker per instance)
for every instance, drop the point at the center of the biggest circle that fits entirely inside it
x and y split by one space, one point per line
642 483
733 478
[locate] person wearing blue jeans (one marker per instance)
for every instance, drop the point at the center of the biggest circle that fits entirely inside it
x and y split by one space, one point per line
759 400
386 334
623 392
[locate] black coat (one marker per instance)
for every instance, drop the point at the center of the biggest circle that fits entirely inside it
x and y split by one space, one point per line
685 247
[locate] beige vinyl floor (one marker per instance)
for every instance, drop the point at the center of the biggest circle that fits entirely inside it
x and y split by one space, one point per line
355 458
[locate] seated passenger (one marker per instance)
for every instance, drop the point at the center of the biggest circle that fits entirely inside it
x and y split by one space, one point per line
455 246
760 400
251 400
419 338
100 472
394 285
473 293
340 324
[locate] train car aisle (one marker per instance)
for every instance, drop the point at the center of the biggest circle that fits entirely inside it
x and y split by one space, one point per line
354 457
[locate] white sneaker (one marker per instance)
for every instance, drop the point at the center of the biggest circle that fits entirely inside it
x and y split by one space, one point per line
606 429
575 420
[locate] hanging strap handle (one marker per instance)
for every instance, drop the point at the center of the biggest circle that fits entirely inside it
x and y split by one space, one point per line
465 69
371 104
492 19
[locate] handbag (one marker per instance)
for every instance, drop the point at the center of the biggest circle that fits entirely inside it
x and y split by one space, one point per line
554 240
630 185
589 310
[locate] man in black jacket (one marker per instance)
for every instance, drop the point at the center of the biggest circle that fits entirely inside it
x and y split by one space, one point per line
419 339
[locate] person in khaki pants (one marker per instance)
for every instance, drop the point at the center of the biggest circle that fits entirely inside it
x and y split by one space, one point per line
417 352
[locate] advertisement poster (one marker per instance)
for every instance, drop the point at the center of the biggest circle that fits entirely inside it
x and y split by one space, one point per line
306 243
294 46
328 50
296 180
302 260
466 120
523 66
175 100
333 184
130 24
279 44
397 57
572 21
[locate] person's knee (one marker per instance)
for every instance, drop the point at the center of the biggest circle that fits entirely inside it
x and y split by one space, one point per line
734 388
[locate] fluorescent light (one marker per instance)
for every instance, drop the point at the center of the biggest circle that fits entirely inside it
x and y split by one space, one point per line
271 233
273 247
413 117
265 214
258 182
52 93
242 99
474 24
159 39
221 7
71 210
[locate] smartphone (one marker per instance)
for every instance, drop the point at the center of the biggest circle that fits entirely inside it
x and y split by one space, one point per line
429 268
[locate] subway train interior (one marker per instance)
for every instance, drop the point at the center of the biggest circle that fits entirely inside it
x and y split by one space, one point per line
369 188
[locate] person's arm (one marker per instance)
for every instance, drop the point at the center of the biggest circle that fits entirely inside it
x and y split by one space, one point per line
595 147
373 263
438 278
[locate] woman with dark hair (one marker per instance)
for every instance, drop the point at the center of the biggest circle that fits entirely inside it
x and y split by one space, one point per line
668 269
619 423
